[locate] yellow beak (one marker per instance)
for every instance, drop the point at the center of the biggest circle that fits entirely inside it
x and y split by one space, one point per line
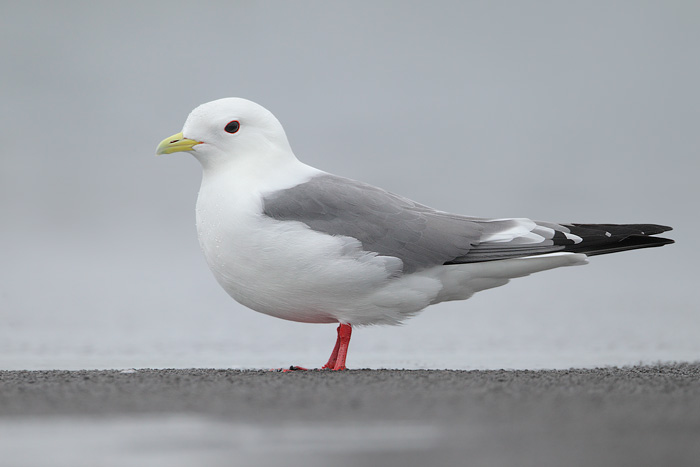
175 143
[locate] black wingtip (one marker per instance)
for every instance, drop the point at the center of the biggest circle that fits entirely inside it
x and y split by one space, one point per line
634 242
630 229
599 239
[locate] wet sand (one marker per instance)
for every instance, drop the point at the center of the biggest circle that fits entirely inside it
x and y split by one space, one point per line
636 416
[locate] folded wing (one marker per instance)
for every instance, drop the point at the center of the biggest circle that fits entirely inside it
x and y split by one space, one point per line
422 237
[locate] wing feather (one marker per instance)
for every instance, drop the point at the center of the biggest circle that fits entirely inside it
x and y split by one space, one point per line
422 237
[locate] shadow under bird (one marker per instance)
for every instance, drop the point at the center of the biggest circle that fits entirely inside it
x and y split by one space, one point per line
292 241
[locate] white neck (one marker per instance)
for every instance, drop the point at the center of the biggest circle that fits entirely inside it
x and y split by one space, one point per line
255 175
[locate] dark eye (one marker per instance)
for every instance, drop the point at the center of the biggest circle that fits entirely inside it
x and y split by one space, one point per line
232 126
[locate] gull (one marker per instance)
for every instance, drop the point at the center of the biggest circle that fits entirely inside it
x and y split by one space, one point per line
294 242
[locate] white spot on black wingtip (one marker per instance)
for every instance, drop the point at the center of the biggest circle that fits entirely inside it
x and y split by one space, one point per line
576 239
608 234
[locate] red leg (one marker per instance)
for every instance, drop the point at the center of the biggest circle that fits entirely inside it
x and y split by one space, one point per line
340 351
334 355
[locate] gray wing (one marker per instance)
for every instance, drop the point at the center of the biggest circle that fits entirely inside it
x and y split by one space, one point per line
391 225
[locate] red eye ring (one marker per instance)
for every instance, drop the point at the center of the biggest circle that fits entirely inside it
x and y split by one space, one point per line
232 126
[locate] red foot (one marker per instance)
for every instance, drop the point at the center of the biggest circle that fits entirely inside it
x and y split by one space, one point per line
338 356
291 368
294 368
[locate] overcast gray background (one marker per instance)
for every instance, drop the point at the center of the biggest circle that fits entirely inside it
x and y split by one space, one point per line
551 110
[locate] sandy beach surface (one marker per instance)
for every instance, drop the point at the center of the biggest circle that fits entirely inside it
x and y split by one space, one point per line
634 416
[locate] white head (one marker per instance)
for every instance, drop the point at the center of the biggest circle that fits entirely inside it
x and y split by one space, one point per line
231 131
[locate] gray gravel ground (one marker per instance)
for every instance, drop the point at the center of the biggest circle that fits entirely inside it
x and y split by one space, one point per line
635 416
